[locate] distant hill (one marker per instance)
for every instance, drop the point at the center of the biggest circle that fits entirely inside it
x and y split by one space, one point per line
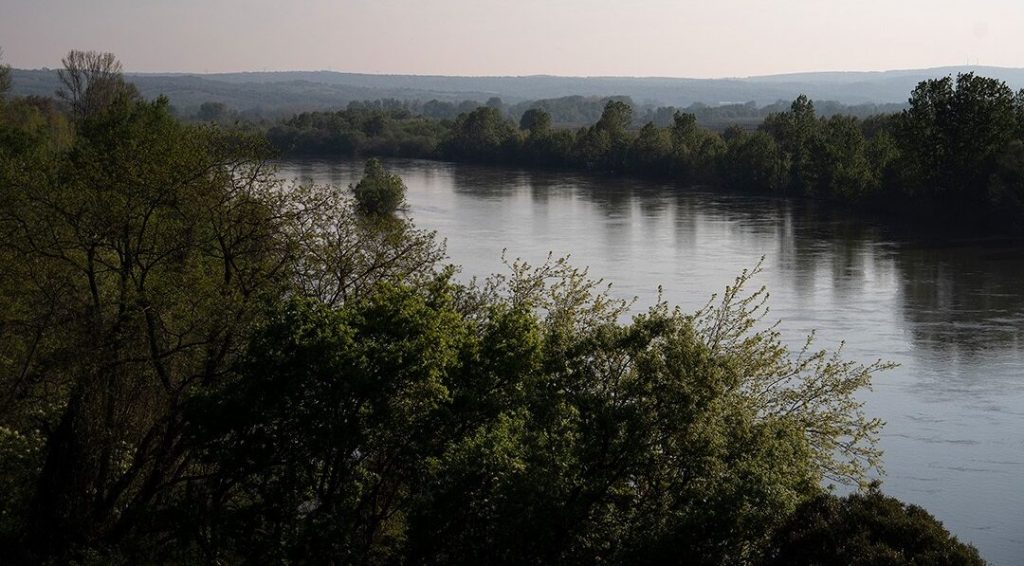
289 94
290 91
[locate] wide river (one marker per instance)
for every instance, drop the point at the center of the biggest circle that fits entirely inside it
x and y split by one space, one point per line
951 316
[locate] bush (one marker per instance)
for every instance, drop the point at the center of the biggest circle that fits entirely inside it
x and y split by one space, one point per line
380 192
866 528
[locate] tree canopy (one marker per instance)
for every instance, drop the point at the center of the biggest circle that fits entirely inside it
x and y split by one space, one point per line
380 193
5 75
866 528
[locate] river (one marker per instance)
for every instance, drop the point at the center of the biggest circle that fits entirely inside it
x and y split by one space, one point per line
951 316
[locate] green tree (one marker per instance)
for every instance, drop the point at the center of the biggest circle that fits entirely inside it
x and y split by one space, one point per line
605 144
1006 187
839 162
158 252
616 118
754 161
5 76
952 137
215 112
328 432
795 132
536 121
496 103
91 82
695 150
651 151
481 135
519 421
866 528
138 257
379 193
199 363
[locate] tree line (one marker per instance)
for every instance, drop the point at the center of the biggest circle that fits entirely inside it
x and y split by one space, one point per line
202 364
955 155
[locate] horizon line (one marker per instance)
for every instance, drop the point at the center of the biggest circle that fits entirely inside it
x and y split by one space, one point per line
549 75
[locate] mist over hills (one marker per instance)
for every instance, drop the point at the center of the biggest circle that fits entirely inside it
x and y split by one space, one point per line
290 91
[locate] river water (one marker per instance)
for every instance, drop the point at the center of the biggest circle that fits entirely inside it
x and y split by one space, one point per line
951 316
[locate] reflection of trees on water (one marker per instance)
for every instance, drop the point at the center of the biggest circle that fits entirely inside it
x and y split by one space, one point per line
964 301
958 301
613 197
961 301
343 175
552 185
337 173
804 246
954 301
488 182
824 241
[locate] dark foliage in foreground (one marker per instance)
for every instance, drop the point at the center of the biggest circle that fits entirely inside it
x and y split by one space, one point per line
866 529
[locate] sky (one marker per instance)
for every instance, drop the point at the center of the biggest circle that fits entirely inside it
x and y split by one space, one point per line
670 38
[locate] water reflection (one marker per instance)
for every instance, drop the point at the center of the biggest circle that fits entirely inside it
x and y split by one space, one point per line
964 310
487 182
965 300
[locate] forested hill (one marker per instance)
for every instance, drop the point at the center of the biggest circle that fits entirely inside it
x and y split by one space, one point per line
281 92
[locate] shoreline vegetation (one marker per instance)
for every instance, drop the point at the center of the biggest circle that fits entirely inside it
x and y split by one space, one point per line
202 364
953 159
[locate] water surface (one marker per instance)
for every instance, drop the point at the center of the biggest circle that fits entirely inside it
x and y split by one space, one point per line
951 316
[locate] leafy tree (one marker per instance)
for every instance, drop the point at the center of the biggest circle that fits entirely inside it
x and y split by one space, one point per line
138 256
839 162
215 112
481 135
359 130
695 150
605 144
616 118
157 251
754 161
5 76
549 147
379 193
199 363
866 528
1006 187
891 162
323 439
794 132
651 151
496 103
592 149
91 82
442 423
951 137
570 111
536 121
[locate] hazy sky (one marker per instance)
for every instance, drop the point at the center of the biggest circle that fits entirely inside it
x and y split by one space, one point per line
682 38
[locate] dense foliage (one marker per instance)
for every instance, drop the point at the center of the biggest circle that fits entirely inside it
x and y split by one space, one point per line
866 529
383 132
199 364
955 155
379 193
